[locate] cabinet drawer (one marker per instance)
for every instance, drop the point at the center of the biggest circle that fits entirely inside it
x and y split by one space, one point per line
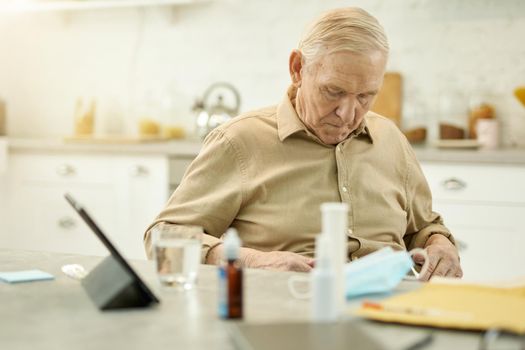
478 183
491 237
123 193
143 168
178 167
60 168
40 218
492 255
499 219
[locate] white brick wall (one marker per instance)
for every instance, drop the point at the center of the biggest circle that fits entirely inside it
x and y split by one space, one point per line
48 59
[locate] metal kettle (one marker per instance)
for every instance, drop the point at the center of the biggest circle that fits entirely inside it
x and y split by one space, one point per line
211 114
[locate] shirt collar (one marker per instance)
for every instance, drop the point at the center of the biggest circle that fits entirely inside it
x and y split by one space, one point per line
288 121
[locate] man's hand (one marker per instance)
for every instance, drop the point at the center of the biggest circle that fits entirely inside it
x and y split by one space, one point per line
443 258
277 260
283 261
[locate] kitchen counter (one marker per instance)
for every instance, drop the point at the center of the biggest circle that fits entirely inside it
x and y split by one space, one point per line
190 148
506 156
181 148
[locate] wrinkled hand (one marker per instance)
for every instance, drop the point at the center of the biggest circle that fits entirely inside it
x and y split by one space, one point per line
282 261
443 258
277 260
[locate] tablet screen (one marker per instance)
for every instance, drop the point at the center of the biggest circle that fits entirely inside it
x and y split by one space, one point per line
114 252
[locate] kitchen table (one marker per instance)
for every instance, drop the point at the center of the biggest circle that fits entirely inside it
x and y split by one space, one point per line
58 314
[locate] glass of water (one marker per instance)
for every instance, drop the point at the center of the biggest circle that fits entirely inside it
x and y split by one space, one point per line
177 250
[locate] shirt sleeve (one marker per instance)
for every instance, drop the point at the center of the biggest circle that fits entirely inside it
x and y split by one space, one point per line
422 222
209 195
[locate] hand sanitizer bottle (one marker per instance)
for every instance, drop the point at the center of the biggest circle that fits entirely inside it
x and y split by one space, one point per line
335 226
324 304
231 279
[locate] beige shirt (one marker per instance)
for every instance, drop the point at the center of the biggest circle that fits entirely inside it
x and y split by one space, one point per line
266 174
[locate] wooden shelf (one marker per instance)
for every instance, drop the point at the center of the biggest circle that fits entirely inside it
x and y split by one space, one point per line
78 5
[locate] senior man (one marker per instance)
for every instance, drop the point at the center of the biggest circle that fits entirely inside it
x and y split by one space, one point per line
266 172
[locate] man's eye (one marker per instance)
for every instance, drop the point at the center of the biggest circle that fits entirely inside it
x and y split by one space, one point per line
333 93
364 99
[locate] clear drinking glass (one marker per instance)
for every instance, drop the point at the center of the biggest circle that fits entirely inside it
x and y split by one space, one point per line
177 250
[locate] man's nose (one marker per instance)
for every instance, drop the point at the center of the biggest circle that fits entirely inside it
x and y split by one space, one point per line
346 109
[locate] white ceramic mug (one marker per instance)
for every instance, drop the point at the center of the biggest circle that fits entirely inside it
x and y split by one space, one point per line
488 133
305 280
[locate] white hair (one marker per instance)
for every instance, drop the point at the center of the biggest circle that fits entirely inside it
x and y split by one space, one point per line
345 29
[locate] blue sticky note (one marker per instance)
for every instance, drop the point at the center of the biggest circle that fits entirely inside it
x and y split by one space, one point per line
25 276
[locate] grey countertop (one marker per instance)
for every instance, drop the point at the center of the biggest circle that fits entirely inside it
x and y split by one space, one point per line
190 148
183 148
58 314
510 156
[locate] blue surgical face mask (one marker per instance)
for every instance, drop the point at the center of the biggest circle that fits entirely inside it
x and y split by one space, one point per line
380 272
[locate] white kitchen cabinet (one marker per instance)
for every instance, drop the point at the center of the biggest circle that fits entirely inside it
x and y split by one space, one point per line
3 202
123 193
142 189
178 167
484 206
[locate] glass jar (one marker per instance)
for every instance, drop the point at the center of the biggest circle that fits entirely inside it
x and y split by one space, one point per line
415 121
481 106
148 115
452 116
175 113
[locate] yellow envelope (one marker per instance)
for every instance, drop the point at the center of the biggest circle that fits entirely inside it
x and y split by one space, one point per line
459 306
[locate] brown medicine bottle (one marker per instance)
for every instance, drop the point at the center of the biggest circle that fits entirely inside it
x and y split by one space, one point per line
231 279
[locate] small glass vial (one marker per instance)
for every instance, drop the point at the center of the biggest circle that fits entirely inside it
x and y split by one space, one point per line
231 279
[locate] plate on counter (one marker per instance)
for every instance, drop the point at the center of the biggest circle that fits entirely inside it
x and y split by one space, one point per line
458 144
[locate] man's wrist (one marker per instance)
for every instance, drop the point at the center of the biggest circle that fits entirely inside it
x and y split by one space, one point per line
436 237
247 257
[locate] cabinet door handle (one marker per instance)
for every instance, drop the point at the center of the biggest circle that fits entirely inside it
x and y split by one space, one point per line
66 223
66 170
139 171
454 184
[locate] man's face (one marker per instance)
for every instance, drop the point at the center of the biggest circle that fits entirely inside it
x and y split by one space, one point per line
337 91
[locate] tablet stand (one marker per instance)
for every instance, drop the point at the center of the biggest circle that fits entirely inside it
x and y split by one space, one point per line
110 286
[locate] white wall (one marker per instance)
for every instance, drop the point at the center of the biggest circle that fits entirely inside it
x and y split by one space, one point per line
47 60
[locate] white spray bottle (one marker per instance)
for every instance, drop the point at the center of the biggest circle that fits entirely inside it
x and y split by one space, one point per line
335 226
324 304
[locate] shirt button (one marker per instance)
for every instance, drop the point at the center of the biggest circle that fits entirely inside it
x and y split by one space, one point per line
339 148
354 257
345 189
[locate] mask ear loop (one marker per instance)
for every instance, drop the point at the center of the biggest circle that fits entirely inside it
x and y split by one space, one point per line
424 269
291 286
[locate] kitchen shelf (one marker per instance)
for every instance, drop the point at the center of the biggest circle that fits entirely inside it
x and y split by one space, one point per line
78 5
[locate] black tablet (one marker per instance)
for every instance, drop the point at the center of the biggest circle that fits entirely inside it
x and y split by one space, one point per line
147 295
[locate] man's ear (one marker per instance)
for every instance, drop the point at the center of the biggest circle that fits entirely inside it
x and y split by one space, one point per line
295 66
